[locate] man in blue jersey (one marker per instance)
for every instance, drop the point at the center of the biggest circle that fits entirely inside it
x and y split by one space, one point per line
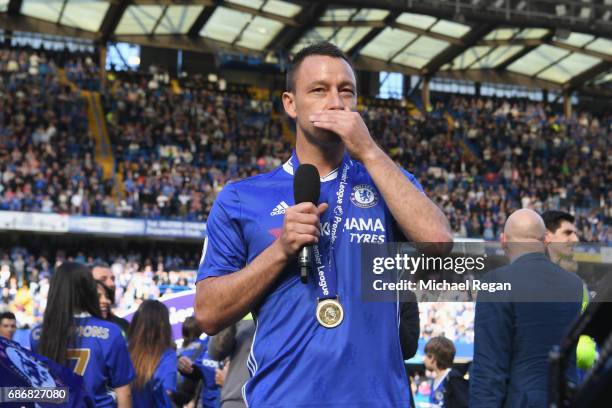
316 344
205 368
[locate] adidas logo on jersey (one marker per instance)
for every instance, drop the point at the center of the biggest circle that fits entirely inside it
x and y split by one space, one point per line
280 208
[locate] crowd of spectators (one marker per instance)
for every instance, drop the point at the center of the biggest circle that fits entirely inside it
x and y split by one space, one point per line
175 151
47 161
530 156
453 320
480 159
139 275
175 148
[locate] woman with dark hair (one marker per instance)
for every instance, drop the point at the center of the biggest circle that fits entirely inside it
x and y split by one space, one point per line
153 354
74 335
103 299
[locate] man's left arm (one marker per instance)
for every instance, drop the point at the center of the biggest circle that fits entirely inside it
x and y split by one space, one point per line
419 219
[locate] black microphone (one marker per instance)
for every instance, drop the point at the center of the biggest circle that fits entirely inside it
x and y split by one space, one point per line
306 189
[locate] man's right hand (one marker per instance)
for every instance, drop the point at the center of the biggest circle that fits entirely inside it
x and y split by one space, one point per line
301 227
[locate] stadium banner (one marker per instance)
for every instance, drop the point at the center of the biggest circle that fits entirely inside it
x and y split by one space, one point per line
112 226
106 225
175 229
180 307
29 221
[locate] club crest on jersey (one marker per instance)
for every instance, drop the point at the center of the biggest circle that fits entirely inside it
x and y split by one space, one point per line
26 366
364 196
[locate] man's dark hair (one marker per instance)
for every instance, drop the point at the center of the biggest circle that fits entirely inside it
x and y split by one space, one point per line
443 350
321 48
553 219
99 264
7 315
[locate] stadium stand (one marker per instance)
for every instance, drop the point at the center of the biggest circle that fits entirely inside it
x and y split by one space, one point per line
191 143
495 157
46 152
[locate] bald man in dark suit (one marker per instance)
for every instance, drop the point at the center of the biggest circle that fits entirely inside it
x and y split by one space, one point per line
515 330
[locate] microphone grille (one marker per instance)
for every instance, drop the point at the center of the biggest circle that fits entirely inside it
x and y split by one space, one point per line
306 184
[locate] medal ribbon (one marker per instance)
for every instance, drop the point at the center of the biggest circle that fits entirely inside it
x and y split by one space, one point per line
325 265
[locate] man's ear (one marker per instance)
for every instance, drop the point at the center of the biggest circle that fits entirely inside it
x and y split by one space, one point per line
289 104
503 240
548 238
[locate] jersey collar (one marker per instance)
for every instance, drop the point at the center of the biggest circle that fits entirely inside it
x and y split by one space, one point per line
293 162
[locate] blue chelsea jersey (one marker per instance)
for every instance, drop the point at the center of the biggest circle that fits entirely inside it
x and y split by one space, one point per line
155 392
294 361
100 355
211 393
436 397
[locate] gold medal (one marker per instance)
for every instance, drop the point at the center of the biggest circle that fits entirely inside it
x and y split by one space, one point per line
330 313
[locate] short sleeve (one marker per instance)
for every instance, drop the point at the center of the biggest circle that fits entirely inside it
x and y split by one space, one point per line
166 371
118 361
398 235
413 180
224 249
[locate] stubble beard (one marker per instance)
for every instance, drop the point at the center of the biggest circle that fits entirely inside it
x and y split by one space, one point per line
325 140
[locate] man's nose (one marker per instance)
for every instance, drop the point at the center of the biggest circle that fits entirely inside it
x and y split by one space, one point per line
335 102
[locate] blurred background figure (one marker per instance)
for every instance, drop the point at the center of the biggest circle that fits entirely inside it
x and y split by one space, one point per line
187 387
233 344
516 330
103 299
152 351
102 272
561 237
8 325
203 367
74 334
449 389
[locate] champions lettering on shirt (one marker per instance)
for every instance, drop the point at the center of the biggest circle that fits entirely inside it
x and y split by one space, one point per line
289 343
99 353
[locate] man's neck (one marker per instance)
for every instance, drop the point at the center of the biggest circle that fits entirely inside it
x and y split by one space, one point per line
324 159
566 262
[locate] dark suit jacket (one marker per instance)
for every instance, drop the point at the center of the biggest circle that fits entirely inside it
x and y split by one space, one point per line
409 326
409 331
514 332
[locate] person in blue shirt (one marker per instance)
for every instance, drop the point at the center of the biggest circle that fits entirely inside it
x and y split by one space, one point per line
316 344
73 334
449 388
204 367
153 354
192 346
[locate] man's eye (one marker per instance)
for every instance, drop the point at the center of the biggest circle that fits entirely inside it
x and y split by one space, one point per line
318 90
349 91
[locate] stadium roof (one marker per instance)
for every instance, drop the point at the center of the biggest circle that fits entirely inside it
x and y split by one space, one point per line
560 44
